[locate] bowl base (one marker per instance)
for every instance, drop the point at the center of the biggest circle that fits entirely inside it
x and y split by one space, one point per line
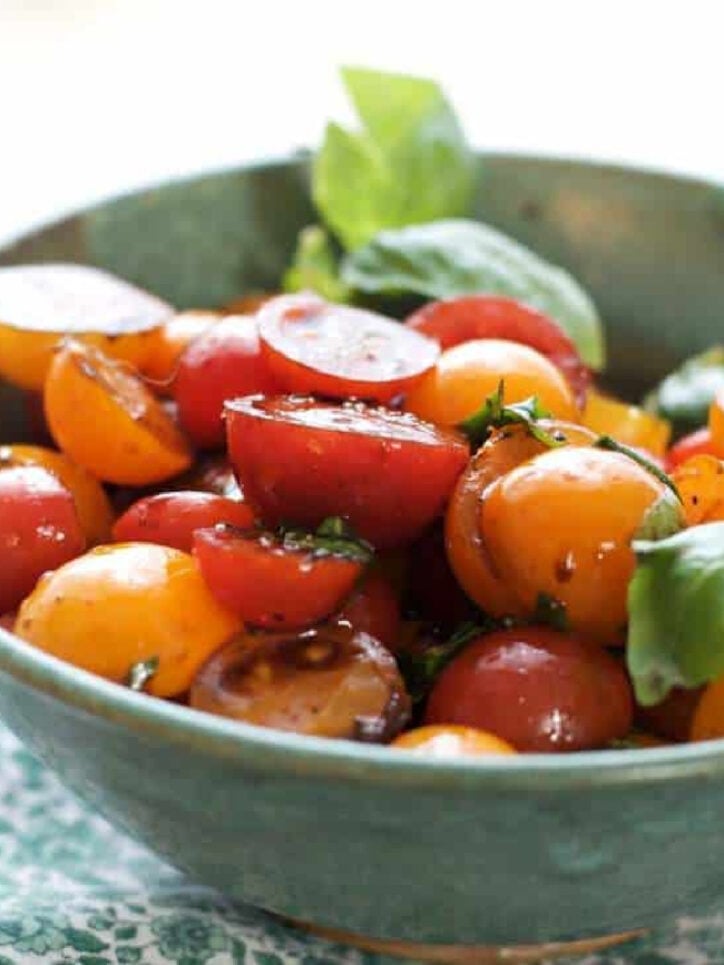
467 954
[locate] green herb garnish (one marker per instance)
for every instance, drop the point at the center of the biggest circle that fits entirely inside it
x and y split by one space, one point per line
422 668
333 537
494 413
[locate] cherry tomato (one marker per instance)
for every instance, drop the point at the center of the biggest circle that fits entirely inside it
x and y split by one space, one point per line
707 721
329 682
450 740
312 346
537 689
700 481
91 502
170 340
672 717
222 363
716 423
273 582
171 519
7 621
467 374
433 593
626 423
699 443
456 320
39 529
119 605
373 609
103 416
388 473
211 474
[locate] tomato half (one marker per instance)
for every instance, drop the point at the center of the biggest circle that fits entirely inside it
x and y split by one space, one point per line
312 346
270 582
171 519
39 530
300 460
456 320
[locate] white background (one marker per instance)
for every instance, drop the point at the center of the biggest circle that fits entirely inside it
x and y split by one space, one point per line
100 95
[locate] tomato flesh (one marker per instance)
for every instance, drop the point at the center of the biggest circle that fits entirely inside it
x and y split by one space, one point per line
312 346
300 460
456 320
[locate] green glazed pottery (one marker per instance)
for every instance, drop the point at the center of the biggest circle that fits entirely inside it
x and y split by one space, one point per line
359 838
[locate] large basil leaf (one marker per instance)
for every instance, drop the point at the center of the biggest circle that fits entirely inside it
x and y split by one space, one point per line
676 612
685 395
409 163
452 257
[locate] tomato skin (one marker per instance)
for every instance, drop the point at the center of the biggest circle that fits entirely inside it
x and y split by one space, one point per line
698 443
373 608
223 362
268 585
171 519
626 423
433 593
314 347
451 740
716 423
700 481
671 719
170 340
455 320
302 461
39 530
537 689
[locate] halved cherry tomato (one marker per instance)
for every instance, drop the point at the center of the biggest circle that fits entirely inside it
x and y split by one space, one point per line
626 423
467 374
312 346
222 363
700 481
716 423
388 473
103 416
171 519
170 340
699 443
329 682
373 608
39 529
537 689
456 320
451 740
120 605
273 582
91 502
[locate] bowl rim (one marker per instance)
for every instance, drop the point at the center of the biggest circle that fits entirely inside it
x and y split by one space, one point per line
295 755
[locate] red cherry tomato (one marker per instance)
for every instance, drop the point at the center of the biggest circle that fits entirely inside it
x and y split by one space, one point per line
270 583
171 519
471 317
671 719
223 362
315 347
388 473
433 593
538 689
7 620
39 530
698 443
373 609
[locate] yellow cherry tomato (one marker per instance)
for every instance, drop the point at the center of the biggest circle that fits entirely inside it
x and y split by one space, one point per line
119 605
626 423
700 481
468 373
95 514
168 342
451 740
103 416
708 720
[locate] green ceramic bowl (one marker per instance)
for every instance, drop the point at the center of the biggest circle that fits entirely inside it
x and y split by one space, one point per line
357 837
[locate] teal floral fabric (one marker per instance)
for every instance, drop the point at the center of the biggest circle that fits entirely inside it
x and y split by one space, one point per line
73 890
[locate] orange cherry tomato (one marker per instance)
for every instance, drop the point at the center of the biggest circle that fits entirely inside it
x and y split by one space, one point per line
697 443
537 689
274 582
91 502
467 553
716 423
455 320
169 341
626 423
560 526
171 519
314 347
468 373
373 608
328 682
451 740
103 417
118 605
700 481
41 304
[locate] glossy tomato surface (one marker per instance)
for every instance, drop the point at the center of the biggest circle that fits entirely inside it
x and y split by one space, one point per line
373 608
300 460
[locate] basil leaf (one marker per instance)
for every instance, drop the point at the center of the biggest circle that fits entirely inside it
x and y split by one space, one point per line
421 669
314 266
676 612
446 258
333 537
493 414
409 163
663 518
685 395
141 672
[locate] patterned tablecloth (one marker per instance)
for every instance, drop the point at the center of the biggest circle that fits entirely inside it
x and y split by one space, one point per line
73 890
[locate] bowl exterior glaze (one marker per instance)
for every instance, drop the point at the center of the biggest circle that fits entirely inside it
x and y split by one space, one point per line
365 839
